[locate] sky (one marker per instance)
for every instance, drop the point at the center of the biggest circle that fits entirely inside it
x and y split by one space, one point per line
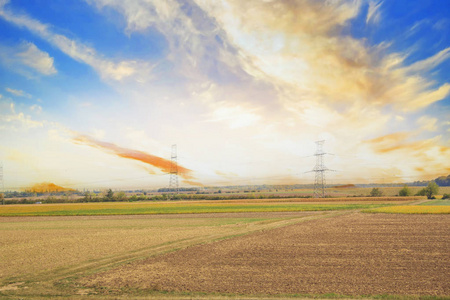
94 93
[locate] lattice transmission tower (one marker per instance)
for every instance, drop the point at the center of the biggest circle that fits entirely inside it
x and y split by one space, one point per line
173 183
319 170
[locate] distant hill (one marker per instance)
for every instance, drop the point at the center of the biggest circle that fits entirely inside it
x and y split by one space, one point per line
443 181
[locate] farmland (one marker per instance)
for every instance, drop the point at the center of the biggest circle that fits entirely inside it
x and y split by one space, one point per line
189 248
403 255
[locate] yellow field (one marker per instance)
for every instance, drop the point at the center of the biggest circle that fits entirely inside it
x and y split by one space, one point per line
412 209
202 206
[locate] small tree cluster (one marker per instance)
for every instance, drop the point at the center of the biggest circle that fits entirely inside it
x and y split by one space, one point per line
431 190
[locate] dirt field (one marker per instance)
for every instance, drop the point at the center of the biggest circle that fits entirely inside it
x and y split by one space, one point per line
351 254
36 248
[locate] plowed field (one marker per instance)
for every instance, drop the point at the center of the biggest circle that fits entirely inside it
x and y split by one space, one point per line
351 254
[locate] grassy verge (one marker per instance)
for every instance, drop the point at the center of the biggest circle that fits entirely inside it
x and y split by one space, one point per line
437 202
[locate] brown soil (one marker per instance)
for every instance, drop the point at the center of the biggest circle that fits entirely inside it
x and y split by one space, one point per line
352 254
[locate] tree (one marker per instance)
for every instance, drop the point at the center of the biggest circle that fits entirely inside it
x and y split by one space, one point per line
87 197
121 196
109 195
431 190
376 192
2 198
405 191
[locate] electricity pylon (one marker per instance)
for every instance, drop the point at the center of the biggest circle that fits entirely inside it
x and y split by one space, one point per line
173 183
320 169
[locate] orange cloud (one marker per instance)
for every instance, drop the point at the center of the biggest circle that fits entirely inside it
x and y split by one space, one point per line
388 142
398 142
47 187
158 162
425 157
190 182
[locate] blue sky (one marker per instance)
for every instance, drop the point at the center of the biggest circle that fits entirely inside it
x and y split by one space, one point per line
243 88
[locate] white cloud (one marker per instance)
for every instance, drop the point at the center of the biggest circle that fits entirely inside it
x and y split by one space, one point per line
19 121
108 69
34 58
26 59
36 108
19 93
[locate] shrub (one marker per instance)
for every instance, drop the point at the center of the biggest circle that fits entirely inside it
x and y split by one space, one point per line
405 191
376 192
446 196
422 192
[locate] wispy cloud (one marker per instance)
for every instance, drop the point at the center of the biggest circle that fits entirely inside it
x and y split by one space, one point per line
373 13
19 93
198 47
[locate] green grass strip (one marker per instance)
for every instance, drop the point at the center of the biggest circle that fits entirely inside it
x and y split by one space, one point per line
169 208
437 202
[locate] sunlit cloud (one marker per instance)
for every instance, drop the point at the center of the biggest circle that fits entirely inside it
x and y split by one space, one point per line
311 56
427 123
